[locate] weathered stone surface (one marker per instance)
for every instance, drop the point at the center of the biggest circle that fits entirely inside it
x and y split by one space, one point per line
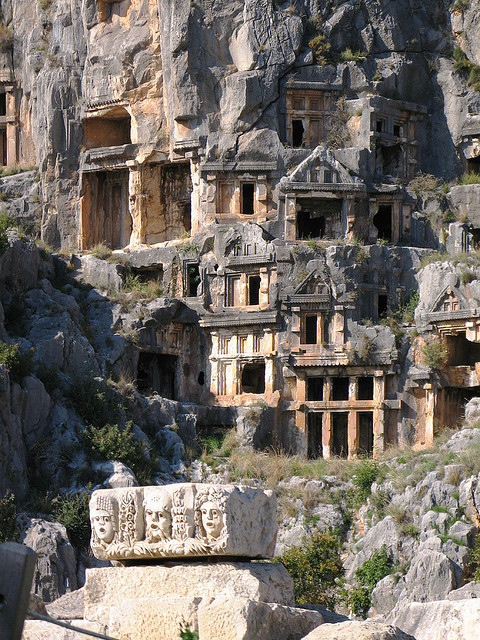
442 620
109 587
55 571
182 520
38 630
430 577
100 273
234 618
355 630
69 606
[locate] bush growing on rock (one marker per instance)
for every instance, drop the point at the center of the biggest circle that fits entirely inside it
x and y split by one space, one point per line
366 473
315 568
93 404
359 599
18 363
8 515
71 510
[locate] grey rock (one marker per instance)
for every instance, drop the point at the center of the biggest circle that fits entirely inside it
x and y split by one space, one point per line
70 606
117 474
55 571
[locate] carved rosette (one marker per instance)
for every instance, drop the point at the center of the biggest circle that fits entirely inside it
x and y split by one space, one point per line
183 520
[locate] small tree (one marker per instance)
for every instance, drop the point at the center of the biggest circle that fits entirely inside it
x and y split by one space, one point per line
315 567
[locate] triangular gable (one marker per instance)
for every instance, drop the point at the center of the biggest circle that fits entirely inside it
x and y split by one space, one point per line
322 167
313 284
450 299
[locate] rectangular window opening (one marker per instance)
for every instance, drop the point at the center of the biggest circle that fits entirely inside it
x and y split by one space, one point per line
248 198
340 389
365 388
3 104
315 389
315 435
254 290
311 329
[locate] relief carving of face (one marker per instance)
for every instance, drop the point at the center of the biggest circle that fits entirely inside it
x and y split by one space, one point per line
103 525
212 519
158 519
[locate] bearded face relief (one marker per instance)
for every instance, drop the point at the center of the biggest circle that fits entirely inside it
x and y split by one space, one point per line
212 519
158 518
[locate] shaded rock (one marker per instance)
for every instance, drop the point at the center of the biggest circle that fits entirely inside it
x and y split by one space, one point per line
55 571
69 607
118 474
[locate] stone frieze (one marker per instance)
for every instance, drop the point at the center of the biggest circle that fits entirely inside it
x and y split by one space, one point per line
182 520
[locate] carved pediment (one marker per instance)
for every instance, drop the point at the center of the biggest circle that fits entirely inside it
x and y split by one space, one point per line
450 299
321 167
314 284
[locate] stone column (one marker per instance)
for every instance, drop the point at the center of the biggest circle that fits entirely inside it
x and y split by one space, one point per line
430 402
378 412
137 205
352 434
197 218
290 217
327 434
11 127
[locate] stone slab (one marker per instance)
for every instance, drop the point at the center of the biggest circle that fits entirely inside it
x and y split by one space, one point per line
183 520
110 586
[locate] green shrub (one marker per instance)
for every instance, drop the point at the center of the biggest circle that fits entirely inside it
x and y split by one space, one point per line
474 560
6 222
110 442
71 510
462 64
407 310
470 178
461 5
349 55
365 474
426 186
18 363
435 354
92 403
101 251
372 571
320 49
315 567
6 37
8 515
186 633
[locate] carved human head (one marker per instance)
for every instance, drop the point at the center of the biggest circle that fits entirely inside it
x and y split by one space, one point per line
210 514
102 516
158 517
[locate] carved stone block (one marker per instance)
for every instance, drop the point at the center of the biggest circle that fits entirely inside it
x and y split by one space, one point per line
183 520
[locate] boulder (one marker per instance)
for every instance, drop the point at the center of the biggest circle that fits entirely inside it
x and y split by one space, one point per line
356 630
55 571
70 606
441 620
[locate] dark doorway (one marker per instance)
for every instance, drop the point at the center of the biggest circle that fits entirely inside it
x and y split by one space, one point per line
156 372
248 198
253 378
340 434
382 305
315 389
315 435
3 104
187 216
365 388
340 389
318 218
383 222
462 352
193 280
311 329
365 432
3 147
253 290
473 165
298 132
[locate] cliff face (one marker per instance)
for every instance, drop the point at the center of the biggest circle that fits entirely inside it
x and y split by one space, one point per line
214 72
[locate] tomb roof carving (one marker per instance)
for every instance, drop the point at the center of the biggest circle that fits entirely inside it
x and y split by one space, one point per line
242 165
311 84
239 319
182 520
321 171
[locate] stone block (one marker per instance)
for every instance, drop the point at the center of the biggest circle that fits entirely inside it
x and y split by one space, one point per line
183 520
110 586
